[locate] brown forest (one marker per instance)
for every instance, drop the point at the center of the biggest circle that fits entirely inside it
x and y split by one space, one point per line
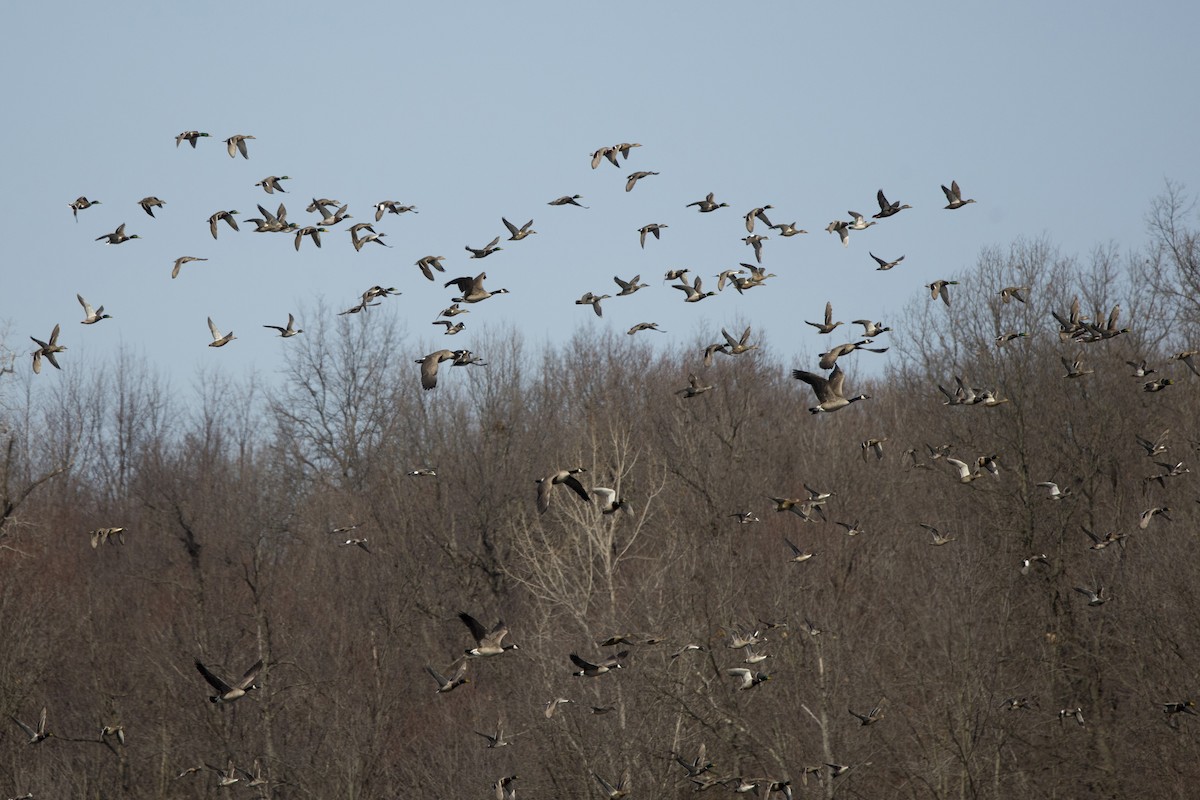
994 676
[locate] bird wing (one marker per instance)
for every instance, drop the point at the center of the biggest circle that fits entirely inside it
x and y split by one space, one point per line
478 632
250 675
573 483
218 684
579 662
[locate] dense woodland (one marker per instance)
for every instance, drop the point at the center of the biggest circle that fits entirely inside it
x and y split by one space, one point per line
976 659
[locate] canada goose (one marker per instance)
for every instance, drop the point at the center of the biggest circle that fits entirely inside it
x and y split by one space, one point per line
47 350
759 214
859 223
221 215
472 289
829 324
487 643
429 365
118 236
1095 598
954 196
1157 385
871 328
1005 338
872 716
830 357
190 137
80 204
517 234
630 286
745 517
632 180
842 229
1071 713
644 326
91 315
218 339
1055 492
237 144
873 446
830 392
607 500
150 203
941 289
309 230
590 670
694 291
738 346
270 184
40 734
707 204
939 538
567 200
1150 513
788 229
1139 369
485 251
592 300
605 152
456 679
505 789
798 556
614 792
1010 293
1158 446
562 477
884 265
749 678
887 209
452 328
391 207
361 543
227 693
1075 368
1187 357
289 331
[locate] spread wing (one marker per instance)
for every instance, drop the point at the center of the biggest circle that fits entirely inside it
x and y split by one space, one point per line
218 684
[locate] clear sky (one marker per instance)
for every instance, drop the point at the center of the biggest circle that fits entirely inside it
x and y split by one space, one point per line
1061 119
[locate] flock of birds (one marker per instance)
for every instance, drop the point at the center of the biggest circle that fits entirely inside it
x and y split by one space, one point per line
827 386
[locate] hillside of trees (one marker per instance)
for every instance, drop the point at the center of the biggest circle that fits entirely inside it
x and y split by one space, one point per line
994 676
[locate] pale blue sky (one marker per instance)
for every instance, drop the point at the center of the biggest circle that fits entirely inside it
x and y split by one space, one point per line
1061 119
